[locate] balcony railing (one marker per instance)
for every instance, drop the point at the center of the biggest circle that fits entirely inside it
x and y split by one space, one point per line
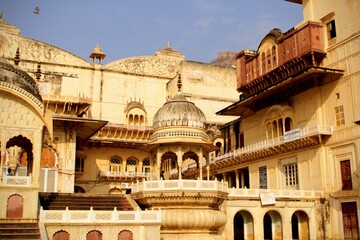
91 216
179 184
112 174
278 193
290 136
17 181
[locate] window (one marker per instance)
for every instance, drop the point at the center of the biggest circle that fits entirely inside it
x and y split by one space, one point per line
262 177
115 164
131 165
346 175
331 30
79 165
291 176
146 166
339 116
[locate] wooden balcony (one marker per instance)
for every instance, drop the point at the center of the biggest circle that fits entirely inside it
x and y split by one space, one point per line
291 66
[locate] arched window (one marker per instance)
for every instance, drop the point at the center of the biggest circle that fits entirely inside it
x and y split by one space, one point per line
94 235
115 164
146 166
135 114
278 120
131 165
125 235
61 235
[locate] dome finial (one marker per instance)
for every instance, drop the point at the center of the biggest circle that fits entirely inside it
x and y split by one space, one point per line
179 84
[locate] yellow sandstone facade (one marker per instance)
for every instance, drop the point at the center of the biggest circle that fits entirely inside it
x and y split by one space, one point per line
160 147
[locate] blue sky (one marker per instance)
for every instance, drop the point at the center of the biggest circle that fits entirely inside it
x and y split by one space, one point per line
199 29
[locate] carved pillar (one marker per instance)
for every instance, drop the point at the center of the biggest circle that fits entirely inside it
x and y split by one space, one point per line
158 163
179 161
200 163
237 178
207 171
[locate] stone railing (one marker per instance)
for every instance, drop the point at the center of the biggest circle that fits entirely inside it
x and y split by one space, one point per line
179 184
278 193
112 174
294 135
17 181
91 216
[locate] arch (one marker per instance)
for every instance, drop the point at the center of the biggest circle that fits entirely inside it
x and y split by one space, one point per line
131 165
61 235
300 225
94 235
49 157
272 225
278 120
23 148
115 164
15 206
125 235
114 190
78 189
243 226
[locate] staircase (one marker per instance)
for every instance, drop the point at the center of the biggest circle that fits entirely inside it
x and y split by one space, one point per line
83 201
15 229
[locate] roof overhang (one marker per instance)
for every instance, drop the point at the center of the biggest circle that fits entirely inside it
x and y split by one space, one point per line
85 128
317 75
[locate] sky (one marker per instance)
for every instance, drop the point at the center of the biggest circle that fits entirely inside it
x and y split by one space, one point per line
199 29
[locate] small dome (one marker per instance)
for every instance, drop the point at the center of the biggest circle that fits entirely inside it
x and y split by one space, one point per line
179 112
13 77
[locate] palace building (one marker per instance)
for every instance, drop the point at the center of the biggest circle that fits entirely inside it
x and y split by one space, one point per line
161 147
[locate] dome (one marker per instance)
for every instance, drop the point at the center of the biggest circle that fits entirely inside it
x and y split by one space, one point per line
179 112
8 28
14 78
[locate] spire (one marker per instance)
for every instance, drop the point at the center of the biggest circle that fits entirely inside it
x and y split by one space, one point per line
168 43
17 57
179 84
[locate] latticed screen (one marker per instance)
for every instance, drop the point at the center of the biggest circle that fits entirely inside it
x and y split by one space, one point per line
339 115
291 175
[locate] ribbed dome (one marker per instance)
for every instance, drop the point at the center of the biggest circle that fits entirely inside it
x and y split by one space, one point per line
13 77
179 112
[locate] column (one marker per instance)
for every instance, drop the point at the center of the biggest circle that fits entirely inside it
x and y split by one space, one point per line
179 162
237 178
200 163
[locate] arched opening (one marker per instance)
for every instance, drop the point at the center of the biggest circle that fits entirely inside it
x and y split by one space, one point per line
48 169
78 189
115 190
243 226
131 166
125 235
94 235
168 164
61 235
272 226
267 227
20 158
300 226
15 206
